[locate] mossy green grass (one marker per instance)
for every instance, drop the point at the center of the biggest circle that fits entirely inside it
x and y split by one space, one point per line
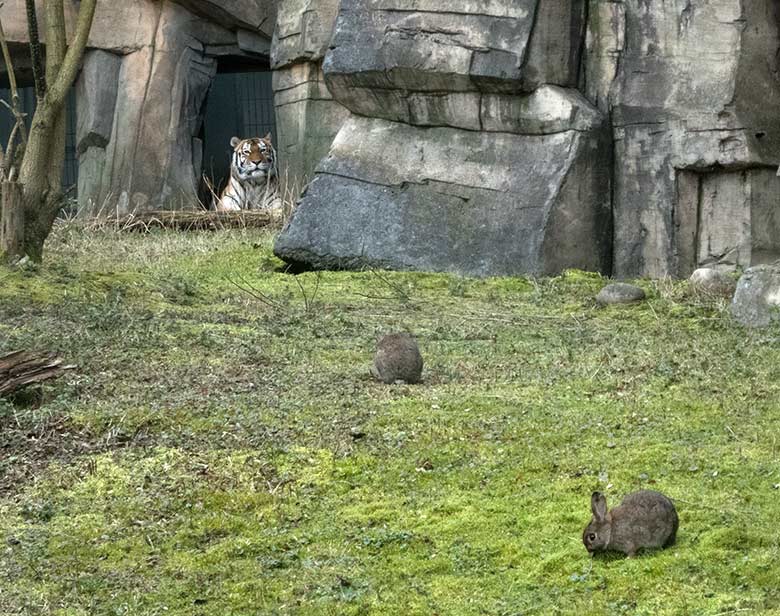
222 449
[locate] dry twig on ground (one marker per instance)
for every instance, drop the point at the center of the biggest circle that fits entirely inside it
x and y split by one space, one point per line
22 368
195 220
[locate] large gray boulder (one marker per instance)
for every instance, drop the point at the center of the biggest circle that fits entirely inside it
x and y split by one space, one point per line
473 203
456 160
756 302
429 66
620 293
709 281
690 88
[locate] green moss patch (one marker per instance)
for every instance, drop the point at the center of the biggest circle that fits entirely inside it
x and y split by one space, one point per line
222 449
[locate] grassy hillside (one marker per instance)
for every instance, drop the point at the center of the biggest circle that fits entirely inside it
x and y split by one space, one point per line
222 450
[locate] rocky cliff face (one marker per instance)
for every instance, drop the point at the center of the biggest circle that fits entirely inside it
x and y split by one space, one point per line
508 136
307 117
696 136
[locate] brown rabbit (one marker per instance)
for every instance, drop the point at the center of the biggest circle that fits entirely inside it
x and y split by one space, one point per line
397 359
645 519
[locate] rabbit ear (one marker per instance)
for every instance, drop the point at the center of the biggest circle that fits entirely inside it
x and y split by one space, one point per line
598 504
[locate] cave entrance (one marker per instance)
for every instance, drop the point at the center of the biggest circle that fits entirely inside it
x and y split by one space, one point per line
240 104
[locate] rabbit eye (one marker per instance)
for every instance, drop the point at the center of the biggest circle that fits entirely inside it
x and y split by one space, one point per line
592 536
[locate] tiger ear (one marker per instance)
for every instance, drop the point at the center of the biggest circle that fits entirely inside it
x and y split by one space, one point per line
267 137
234 142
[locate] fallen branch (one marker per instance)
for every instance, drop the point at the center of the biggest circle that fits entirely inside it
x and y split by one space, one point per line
22 368
196 221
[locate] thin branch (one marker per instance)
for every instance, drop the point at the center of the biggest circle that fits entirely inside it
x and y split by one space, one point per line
252 291
20 127
35 50
9 65
401 294
70 64
56 39
308 302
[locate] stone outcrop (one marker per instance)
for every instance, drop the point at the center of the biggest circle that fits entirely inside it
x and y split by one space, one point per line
307 117
756 301
148 159
689 91
451 200
248 16
620 293
693 87
459 160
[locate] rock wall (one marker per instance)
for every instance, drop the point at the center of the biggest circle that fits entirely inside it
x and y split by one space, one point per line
307 117
694 90
664 113
459 160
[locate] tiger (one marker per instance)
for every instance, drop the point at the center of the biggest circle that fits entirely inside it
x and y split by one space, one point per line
253 180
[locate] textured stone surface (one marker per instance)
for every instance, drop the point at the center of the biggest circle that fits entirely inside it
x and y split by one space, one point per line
756 302
441 46
255 15
118 26
150 160
430 67
693 88
620 293
453 200
307 117
459 162
555 49
303 31
96 91
726 218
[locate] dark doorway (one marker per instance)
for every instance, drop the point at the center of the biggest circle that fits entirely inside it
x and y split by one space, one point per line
70 174
240 104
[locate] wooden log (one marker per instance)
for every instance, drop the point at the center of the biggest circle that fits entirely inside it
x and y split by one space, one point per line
11 220
197 221
22 368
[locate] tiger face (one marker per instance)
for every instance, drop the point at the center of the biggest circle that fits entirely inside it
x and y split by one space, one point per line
253 159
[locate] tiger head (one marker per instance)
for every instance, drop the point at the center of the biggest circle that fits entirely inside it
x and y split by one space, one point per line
254 159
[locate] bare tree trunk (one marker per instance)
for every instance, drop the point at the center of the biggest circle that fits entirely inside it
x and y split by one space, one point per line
12 219
43 161
44 157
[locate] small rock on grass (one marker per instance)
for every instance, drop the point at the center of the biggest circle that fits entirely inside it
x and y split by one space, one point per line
756 301
620 293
